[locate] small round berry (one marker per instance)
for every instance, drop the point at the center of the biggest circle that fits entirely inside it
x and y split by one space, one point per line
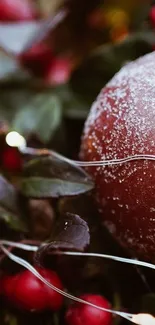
11 159
79 314
30 294
27 292
16 10
55 300
58 71
9 285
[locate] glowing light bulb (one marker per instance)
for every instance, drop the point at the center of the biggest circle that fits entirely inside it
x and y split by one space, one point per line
143 319
14 139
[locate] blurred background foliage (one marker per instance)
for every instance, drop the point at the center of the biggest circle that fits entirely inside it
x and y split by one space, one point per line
55 56
55 59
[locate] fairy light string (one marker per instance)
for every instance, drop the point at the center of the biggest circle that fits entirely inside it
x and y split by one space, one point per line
98 163
139 319
14 139
29 267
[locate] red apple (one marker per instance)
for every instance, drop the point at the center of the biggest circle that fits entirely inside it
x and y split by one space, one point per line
122 123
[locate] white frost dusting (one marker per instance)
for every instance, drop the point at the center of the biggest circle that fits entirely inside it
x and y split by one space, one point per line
122 123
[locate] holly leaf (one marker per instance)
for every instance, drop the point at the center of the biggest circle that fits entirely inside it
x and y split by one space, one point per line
9 212
53 177
71 233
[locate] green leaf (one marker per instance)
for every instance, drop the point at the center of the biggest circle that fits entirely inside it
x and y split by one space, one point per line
9 212
50 116
39 187
30 112
71 233
8 65
73 105
10 69
53 177
42 116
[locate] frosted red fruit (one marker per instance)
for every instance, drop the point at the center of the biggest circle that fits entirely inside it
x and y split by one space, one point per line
16 10
122 123
82 314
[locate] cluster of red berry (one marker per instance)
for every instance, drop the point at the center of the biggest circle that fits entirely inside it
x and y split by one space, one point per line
40 60
27 292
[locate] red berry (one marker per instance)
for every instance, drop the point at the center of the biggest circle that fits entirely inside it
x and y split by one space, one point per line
27 292
58 71
121 123
37 59
16 10
11 159
55 300
9 285
79 314
30 294
152 16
